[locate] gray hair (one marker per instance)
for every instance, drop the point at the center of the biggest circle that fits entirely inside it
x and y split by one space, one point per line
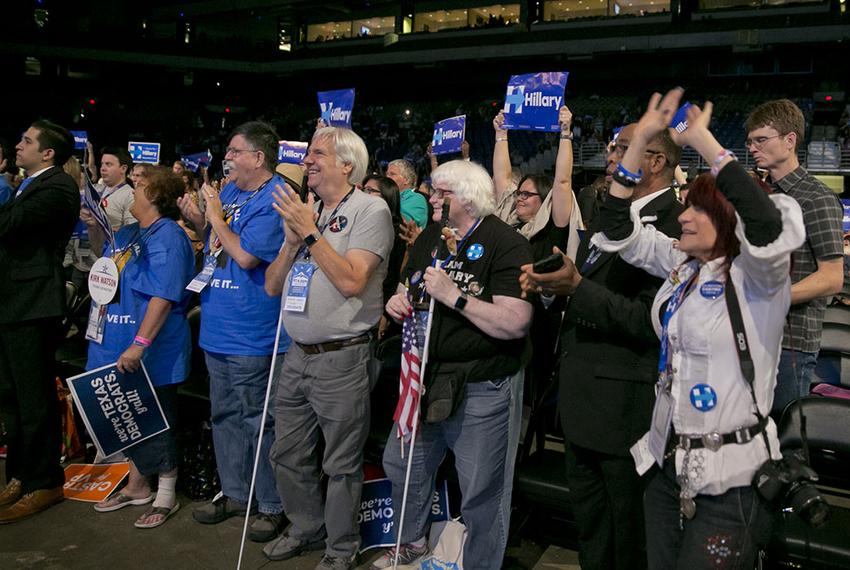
349 149
470 183
407 170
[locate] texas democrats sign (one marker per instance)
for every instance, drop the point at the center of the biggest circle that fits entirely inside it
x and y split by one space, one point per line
336 107
448 135
532 101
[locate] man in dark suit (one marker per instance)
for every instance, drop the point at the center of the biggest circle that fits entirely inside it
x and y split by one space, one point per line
608 369
35 225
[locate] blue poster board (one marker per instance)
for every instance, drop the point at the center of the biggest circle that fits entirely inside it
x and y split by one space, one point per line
144 152
80 139
336 107
449 135
195 161
532 101
119 410
679 123
291 152
375 516
845 223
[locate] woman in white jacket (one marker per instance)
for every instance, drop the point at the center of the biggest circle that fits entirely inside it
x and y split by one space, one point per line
710 432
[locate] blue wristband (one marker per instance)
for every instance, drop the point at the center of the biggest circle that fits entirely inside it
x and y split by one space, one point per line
630 175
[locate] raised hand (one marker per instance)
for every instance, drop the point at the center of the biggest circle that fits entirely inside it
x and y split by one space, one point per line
659 113
565 119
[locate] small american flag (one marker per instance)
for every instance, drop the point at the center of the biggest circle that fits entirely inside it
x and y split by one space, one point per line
410 387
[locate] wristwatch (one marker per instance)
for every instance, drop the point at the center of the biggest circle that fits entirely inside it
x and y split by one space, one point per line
312 238
460 304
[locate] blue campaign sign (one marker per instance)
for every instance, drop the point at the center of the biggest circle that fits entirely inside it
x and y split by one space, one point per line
144 151
291 152
846 221
680 119
336 107
80 139
194 161
532 101
448 135
376 512
119 410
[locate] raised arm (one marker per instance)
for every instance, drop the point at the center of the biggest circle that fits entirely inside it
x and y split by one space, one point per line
562 188
501 158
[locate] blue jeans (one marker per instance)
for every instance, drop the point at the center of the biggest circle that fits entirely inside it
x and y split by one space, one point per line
726 532
793 379
158 454
237 393
477 434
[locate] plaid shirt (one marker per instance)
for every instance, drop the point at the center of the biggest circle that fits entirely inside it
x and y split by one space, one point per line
822 214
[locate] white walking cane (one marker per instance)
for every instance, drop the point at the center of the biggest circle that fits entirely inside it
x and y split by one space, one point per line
260 438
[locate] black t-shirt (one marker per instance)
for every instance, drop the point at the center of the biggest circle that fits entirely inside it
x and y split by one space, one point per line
543 241
487 264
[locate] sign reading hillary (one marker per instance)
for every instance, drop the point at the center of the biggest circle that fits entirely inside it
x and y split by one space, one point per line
144 151
291 152
375 516
119 410
845 223
679 123
532 101
195 161
336 107
448 135
80 139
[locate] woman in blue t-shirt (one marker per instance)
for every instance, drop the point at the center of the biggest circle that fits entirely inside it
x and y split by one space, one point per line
147 322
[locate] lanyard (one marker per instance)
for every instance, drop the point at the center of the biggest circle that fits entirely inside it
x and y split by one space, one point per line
304 250
113 191
449 258
228 213
672 306
123 255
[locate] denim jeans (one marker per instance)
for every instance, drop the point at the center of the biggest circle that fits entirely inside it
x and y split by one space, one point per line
158 454
793 379
477 434
514 429
726 532
237 393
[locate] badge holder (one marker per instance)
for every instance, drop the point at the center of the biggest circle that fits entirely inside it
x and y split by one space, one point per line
103 285
203 278
299 287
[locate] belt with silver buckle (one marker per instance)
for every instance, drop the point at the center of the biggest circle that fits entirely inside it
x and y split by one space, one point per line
715 440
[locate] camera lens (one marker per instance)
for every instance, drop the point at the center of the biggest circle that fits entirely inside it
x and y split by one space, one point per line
807 502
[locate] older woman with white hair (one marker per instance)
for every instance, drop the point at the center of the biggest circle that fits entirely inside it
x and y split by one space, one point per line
476 348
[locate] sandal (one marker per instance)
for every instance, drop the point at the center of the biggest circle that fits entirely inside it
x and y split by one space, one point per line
163 512
120 501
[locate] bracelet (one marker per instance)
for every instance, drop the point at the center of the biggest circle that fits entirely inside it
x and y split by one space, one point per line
634 177
721 156
624 180
142 341
566 136
502 140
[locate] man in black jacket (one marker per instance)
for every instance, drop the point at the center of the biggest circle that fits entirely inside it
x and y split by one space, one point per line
35 225
608 368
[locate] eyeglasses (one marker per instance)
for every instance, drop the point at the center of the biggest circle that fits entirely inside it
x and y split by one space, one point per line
236 151
525 195
370 190
440 193
758 142
620 150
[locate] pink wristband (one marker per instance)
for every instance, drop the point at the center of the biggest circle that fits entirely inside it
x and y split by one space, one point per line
721 156
142 341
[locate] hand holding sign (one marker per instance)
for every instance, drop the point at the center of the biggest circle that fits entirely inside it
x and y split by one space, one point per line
658 114
499 122
131 359
698 121
565 119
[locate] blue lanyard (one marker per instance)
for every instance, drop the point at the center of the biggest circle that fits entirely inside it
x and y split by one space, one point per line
672 306
459 245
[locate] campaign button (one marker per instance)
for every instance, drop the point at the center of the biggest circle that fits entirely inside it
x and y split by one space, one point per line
703 397
711 289
475 252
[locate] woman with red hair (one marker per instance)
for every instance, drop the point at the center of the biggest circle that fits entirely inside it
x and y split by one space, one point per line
720 310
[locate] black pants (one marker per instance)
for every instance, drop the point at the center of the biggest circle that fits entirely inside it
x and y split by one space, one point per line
28 403
607 499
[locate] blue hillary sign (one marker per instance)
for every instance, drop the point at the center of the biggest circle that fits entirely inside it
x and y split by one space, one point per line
846 221
119 410
680 119
144 151
80 139
376 512
336 107
291 152
448 135
532 101
703 397
195 161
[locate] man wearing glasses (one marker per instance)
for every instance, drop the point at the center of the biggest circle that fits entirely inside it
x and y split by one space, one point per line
238 324
775 129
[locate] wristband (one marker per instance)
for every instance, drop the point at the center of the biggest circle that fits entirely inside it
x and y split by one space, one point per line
623 180
502 140
142 341
721 156
566 136
635 178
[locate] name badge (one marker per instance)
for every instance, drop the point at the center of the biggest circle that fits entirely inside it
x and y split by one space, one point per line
299 287
103 281
203 278
97 322
662 420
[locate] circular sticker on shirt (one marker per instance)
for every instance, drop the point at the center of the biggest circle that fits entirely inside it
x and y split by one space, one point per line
703 397
474 289
711 289
338 224
103 281
415 278
474 252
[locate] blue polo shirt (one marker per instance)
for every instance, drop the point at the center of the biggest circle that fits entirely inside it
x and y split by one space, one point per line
237 317
161 264
414 207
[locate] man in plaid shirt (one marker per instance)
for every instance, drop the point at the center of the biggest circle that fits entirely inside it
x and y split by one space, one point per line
774 130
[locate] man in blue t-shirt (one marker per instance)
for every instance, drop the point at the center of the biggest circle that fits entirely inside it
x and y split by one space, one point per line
414 206
243 234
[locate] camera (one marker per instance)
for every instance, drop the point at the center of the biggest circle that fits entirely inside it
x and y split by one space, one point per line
790 481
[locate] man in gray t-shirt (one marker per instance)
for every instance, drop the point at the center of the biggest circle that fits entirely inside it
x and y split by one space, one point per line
330 270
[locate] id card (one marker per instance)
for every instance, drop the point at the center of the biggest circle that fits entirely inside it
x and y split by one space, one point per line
640 453
203 278
299 287
97 322
662 420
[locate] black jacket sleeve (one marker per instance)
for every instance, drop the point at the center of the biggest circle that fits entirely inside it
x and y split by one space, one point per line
614 220
762 220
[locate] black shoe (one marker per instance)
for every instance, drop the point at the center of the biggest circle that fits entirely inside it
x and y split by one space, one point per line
265 527
220 509
286 547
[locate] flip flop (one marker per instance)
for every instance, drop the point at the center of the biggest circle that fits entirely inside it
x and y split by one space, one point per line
122 501
165 512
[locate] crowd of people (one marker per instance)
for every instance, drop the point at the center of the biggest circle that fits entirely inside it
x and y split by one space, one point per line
639 310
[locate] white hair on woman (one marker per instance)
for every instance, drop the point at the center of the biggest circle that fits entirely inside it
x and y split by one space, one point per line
470 183
349 149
